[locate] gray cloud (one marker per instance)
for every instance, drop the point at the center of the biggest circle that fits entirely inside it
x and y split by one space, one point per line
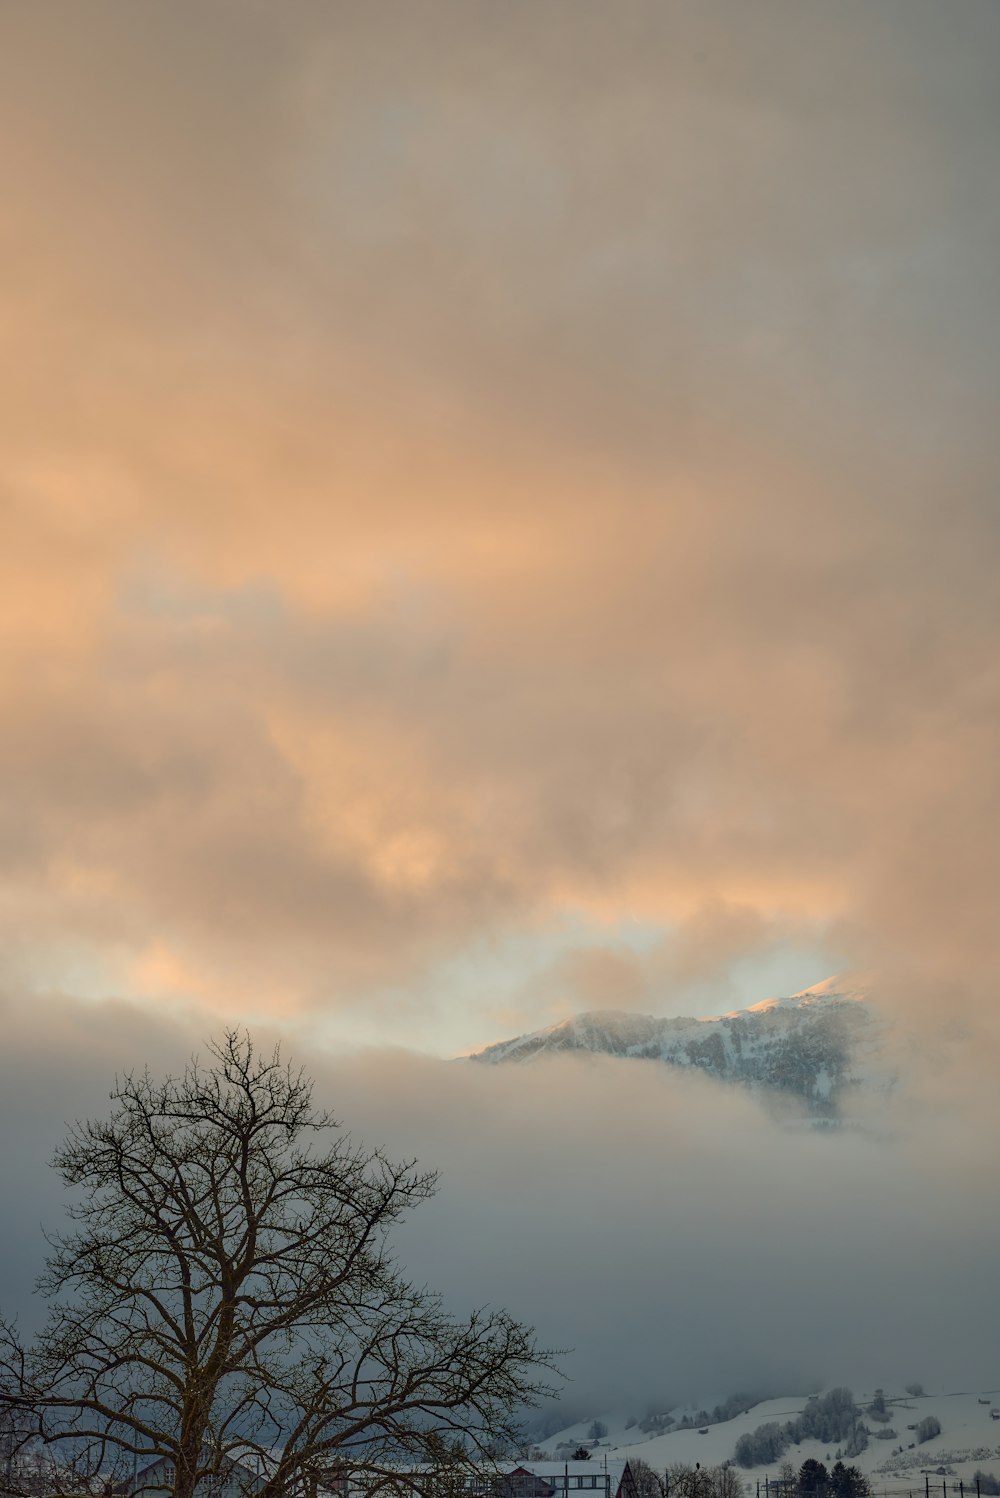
663 1228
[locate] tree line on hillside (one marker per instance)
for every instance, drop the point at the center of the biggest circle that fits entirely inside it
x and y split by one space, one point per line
832 1418
656 1422
811 1481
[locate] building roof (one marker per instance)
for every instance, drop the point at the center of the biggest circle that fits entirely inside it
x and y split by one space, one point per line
555 1467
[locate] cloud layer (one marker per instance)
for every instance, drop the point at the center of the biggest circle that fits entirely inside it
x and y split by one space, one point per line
469 469
661 1228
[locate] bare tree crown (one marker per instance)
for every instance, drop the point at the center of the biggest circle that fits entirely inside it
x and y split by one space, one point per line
226 1300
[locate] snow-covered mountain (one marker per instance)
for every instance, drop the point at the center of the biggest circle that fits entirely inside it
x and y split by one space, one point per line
816 1045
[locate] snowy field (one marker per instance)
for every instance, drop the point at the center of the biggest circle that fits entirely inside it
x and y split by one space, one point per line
969 1440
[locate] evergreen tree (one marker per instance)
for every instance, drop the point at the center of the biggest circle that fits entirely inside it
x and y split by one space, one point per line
848 1482
812 1477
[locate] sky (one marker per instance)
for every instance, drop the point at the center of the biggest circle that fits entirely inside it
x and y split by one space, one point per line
498 518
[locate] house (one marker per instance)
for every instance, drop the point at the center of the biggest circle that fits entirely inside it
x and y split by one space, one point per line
237 1479
606 1477
234 1481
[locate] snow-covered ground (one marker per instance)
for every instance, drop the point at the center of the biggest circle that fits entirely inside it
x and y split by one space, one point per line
969 1440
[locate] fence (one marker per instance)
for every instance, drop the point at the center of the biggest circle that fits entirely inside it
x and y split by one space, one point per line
918 1485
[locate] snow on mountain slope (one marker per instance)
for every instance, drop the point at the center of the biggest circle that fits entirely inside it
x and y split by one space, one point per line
816 1045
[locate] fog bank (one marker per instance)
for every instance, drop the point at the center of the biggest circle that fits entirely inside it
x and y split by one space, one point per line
663 1228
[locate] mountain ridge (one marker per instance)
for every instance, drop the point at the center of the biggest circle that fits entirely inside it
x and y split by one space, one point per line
818 1044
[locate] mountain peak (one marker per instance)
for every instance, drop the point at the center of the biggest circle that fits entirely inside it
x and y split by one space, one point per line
849 987
813 1044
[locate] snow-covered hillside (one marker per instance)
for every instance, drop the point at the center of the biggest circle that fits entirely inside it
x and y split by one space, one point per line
817 1045
969 1441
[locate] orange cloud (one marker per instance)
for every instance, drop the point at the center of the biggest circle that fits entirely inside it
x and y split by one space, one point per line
463 472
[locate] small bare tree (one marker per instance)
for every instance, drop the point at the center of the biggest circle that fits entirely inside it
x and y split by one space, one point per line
685 1481
226 1311
648 1482
682 1480
727 1482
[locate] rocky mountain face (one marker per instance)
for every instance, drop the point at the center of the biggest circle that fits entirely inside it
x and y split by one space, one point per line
817 1045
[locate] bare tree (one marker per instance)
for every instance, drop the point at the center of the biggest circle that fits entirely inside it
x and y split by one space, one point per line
685 1481
227 1308
648 1482
11 1442
727 1482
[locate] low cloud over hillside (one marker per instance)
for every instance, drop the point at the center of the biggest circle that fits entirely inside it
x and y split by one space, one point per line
661 1225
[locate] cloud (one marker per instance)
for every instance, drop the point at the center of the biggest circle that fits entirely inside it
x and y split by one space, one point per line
498 518
466 474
